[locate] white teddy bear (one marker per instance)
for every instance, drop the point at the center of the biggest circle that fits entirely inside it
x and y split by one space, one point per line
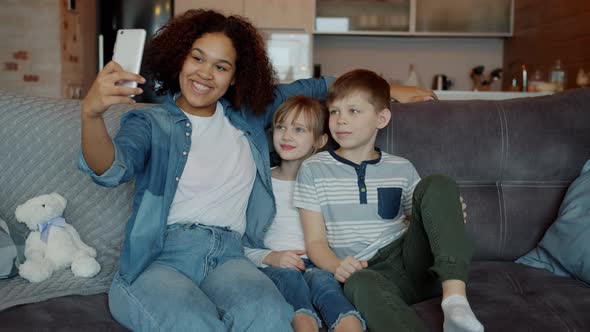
52 244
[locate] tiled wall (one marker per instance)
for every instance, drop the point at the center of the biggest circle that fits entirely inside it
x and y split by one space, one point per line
29 47
392 56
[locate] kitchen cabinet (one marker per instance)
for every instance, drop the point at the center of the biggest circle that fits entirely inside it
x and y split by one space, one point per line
464 16
281 14
472 18
264 14
357 16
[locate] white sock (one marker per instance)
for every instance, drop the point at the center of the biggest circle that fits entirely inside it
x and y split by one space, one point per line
458 315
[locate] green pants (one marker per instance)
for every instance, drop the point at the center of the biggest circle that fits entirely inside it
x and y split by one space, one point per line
409 270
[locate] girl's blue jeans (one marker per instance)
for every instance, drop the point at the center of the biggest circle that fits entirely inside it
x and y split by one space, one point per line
311 289
200 282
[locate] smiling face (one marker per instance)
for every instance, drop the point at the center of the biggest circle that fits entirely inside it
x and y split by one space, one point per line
354 123
292 138
207 73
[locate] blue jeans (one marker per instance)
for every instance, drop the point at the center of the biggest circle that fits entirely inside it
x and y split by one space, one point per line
314 288
200 282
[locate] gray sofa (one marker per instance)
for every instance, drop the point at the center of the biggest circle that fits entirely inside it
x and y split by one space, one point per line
513 160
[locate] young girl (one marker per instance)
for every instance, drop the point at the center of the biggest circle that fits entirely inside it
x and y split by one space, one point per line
298 132
202 183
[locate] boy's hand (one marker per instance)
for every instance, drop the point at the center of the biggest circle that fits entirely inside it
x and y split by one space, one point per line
347 267
410 94
286 258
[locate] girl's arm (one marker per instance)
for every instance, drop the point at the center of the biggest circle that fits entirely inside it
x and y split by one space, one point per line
285 258
318 250
257 256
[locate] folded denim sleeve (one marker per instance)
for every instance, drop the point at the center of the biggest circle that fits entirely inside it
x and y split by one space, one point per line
310 87
132 146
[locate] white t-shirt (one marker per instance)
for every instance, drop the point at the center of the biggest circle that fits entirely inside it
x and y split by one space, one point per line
285 233
218 176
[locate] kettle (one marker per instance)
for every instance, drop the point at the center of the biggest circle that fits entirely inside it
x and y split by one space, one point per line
441 82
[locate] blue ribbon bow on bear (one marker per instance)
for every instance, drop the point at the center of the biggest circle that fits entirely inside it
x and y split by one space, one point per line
44 227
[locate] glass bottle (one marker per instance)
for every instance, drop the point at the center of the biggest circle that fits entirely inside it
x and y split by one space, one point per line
583 78
557 76
412 79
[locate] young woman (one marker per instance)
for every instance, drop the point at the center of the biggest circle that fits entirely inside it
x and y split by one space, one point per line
200 163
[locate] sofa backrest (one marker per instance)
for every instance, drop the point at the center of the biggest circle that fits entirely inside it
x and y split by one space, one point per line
513 160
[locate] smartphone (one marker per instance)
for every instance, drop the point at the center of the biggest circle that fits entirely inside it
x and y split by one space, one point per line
128 51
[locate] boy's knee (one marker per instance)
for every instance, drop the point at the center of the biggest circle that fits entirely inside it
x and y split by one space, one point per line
437 183
359 283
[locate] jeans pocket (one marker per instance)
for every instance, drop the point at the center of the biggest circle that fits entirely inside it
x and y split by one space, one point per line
389 202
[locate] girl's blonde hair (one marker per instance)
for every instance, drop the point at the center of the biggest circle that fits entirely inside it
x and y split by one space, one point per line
314 113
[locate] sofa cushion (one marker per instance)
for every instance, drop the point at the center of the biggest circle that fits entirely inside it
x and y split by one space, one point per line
506 296
565 248
39 145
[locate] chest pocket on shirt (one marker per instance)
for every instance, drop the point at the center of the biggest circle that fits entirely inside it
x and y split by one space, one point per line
389 202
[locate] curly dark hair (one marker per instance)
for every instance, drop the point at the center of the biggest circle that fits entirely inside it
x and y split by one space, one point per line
168 48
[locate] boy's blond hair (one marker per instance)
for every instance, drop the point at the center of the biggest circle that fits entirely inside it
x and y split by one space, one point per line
361 80
314 113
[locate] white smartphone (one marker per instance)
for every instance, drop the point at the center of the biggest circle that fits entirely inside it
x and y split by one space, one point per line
128 51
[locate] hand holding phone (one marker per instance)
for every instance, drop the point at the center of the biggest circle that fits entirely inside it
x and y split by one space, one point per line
128 52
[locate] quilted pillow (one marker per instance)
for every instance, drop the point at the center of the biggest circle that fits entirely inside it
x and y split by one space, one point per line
565 247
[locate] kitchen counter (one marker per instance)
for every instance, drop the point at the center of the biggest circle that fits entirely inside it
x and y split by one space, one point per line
486 95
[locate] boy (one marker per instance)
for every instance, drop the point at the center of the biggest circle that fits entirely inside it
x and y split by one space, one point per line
355 205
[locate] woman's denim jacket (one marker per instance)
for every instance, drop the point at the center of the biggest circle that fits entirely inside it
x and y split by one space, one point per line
149 148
